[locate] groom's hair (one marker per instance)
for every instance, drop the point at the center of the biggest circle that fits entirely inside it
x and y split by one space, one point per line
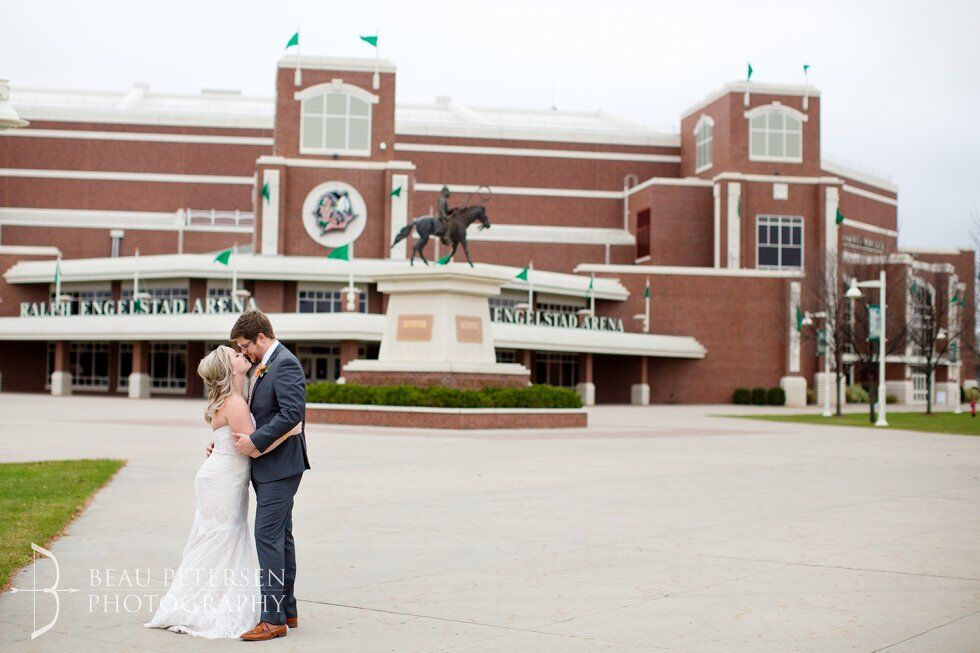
250 324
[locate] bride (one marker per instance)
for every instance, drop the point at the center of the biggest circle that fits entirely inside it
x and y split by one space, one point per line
215 592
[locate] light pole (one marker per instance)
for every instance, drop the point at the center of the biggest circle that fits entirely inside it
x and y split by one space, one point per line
854 292
807 321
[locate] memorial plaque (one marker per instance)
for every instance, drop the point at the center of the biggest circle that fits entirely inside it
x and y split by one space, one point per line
469 328
416 328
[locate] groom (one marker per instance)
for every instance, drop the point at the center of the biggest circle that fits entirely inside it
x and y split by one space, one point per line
277 399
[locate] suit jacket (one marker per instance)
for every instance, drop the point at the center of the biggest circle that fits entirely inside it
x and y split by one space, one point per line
278 402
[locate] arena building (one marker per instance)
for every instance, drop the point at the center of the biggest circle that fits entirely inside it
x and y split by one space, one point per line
661 267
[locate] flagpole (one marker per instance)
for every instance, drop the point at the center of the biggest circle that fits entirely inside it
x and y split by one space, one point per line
748 79
376 80
234 273
350 278
646 298
592 295
530 287
298 75
57 281
806 86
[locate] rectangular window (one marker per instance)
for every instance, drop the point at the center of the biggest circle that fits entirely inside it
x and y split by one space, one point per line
335 123
776 136
125 364
88 363
158 293
505 302
556 369
779 242
506 355
703 147
78 296
324 300
553 307
168 366
643 234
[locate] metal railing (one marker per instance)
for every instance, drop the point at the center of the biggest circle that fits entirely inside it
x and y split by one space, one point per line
216 218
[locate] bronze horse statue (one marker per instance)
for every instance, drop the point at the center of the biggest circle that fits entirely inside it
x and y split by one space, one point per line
459 220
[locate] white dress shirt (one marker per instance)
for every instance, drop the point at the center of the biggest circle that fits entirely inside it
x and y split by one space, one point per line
265 359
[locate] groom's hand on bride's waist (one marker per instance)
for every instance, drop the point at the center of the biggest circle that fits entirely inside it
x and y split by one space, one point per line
244 446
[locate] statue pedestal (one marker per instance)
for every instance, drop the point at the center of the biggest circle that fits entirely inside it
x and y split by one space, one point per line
438 332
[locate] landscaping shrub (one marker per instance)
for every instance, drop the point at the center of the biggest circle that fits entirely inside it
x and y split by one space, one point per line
969 394
760 396
776 397
890 399
535 396
811 397
742 396
856 394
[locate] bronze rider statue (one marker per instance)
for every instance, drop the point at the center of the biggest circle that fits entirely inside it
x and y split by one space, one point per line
442 229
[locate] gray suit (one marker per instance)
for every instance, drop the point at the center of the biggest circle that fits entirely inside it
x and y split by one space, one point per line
278 402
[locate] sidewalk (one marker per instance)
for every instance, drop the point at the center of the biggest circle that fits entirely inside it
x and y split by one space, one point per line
657 528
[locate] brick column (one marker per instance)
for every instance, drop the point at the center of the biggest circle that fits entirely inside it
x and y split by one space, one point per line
585 386
640 392
195 385
139 378
61 376
348 352
527 359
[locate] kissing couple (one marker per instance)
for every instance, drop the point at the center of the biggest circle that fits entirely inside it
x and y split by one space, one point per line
256 408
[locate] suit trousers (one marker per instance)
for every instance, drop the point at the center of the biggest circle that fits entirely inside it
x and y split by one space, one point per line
274 546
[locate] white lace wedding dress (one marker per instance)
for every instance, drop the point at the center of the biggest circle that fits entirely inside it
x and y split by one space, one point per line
215 593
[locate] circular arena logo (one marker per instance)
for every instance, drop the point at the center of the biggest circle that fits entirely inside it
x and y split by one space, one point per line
334 214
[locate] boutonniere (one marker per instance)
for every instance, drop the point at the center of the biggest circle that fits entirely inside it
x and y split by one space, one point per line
260 371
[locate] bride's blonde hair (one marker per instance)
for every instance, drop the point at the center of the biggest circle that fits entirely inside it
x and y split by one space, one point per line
215 369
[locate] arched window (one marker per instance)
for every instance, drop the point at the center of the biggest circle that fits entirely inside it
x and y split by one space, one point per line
703 143
335 119
776 133
922 312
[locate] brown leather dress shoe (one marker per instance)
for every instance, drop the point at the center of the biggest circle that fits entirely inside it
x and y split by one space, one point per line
292 622
263 631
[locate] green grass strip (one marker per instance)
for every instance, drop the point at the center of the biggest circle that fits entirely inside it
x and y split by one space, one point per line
944 422
38 500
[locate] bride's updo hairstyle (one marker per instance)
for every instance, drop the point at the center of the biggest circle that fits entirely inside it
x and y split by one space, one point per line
215 369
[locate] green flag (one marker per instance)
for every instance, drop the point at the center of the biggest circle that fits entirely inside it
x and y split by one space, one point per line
646 292
57 273
444 260
293 40
265 191
591 285
396 193
223 257
371 40
749 75
522 275
956 298
341 253
738 207
806 68
840 216
799 319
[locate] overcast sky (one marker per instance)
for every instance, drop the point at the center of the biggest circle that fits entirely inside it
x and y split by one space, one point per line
899 80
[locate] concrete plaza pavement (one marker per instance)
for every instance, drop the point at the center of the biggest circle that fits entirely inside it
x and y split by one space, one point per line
658 528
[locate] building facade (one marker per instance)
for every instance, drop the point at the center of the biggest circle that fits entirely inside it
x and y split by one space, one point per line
662 267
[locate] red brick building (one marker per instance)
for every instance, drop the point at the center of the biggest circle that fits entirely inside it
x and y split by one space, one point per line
730 222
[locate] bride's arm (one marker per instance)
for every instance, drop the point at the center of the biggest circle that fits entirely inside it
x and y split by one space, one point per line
239 418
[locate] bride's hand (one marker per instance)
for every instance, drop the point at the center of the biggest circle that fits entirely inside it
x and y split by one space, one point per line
208 449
